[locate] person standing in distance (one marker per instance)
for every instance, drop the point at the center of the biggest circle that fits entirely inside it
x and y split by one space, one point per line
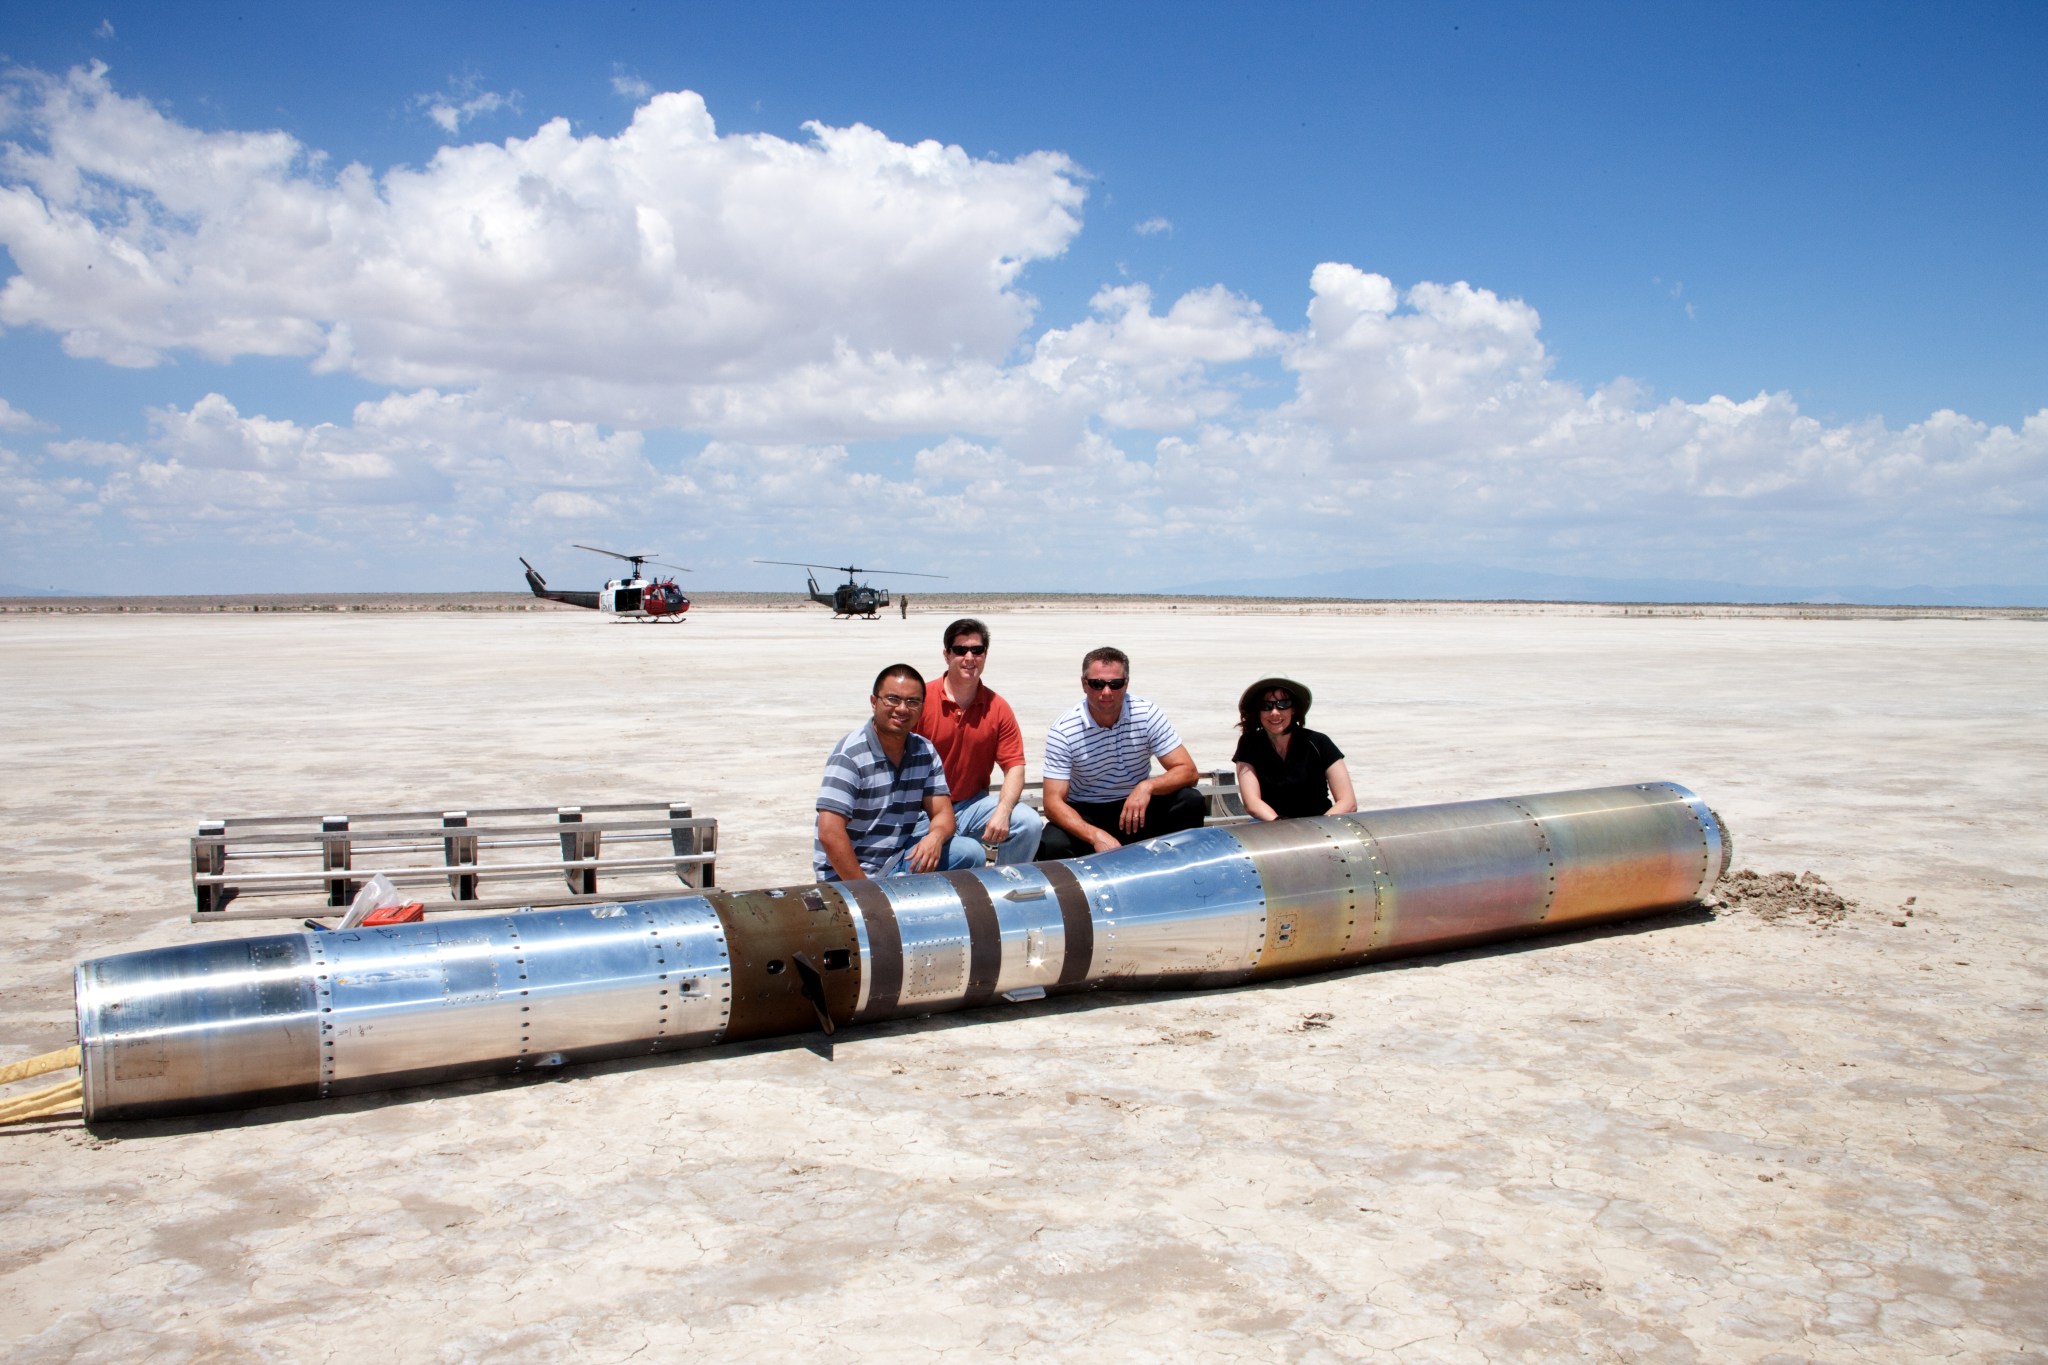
877 780
976 734
1099 789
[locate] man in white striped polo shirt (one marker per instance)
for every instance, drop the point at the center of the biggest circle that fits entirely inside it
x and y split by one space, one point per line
1100 792
878 781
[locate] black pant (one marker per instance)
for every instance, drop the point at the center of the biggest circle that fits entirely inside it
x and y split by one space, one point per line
1167 814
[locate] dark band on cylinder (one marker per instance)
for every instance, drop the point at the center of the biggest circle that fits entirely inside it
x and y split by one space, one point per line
984 938
1075 919
885 945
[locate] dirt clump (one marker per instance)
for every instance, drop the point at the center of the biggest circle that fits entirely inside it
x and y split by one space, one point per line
1775 897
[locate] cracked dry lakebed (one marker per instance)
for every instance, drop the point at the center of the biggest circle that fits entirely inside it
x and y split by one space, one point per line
1806 1124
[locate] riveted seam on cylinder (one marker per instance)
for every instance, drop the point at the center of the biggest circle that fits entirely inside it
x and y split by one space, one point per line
1549 858
1382 892
323 987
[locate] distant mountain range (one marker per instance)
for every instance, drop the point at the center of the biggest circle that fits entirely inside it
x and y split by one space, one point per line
19 590
1479 583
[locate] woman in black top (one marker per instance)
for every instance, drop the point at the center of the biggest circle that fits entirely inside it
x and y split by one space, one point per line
1284 770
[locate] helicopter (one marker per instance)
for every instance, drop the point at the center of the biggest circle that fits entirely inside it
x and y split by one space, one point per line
850 598
632 598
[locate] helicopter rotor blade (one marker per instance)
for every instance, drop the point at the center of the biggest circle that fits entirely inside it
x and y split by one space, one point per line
848 569
630 559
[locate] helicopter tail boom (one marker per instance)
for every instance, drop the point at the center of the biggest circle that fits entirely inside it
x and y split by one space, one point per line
541 589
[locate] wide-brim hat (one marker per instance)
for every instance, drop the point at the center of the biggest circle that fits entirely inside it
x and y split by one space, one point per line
1302 696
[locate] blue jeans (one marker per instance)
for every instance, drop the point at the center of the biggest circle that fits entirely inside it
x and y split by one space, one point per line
972 818
960 853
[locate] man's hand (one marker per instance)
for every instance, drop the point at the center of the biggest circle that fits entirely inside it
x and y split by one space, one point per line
1133 817
997 830
1058 812
926 853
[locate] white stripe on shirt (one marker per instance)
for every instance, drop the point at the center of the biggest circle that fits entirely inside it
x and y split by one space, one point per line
880 801
1102 762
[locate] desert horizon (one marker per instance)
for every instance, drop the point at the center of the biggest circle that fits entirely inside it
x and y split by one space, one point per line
928 603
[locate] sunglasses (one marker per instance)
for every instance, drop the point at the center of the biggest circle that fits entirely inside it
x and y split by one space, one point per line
1113 684
964 650
1276 705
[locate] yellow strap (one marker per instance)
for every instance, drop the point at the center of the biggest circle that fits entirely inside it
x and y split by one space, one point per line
41 1104
36 1066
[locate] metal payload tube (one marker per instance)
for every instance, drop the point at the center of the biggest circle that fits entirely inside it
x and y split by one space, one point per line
304 1016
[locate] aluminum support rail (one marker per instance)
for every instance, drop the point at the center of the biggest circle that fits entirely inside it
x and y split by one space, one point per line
304 1016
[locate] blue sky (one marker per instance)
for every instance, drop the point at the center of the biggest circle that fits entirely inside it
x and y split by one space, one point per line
1750 294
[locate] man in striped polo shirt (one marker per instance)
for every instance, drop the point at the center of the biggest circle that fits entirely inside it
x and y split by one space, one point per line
1099 789
878 781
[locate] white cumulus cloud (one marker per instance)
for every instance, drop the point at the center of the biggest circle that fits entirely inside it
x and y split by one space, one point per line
14 419
754 345
1454 367
453 108
668 254
404 463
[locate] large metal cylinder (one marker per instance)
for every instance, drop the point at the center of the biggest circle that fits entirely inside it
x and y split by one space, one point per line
240 1023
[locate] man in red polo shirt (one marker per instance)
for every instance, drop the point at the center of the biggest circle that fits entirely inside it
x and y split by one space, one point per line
976 733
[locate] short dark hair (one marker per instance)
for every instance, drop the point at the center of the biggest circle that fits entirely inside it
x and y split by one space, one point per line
1248 704
896 670
1108 654
966 625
